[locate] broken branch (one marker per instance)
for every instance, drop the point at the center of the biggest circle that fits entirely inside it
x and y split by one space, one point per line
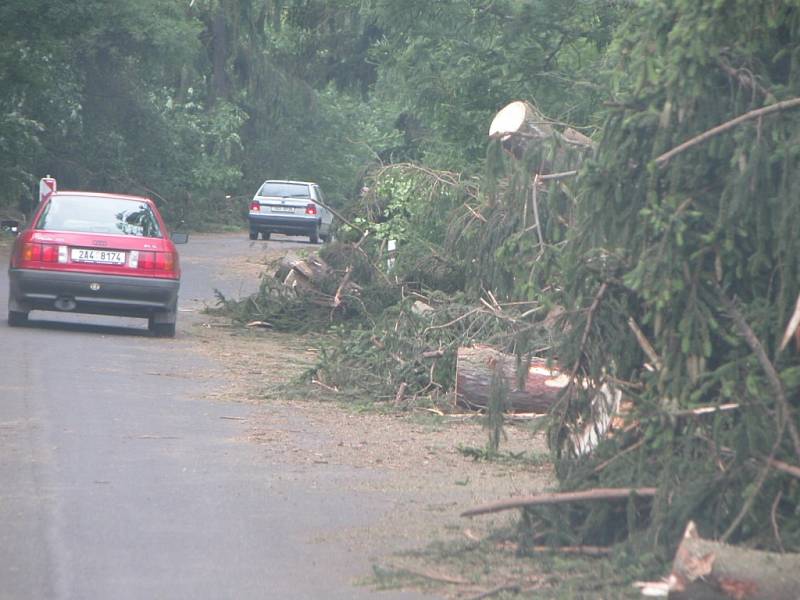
645 344
769 369
784 467
560 498
753 114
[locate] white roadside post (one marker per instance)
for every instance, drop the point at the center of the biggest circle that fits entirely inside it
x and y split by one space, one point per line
47 187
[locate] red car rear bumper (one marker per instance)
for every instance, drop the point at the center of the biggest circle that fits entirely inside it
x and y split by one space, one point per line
34 289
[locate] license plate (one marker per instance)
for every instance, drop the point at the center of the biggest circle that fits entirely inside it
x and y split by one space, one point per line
282 209
106 257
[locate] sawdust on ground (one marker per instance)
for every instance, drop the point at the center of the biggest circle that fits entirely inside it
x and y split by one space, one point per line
426 477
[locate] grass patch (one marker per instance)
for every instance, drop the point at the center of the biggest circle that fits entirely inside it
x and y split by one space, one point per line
536 459
466 569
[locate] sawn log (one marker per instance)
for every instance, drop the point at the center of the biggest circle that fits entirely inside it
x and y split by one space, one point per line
715 571
474 369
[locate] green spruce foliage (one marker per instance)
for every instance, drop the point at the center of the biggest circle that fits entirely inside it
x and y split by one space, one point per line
698 251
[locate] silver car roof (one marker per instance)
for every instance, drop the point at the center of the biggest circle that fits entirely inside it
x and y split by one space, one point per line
289 181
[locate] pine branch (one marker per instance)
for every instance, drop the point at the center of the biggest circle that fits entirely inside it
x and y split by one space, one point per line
749 116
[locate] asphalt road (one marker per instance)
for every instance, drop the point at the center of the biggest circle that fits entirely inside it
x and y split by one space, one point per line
120 479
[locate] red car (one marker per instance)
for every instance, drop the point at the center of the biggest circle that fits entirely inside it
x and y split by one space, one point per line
106 254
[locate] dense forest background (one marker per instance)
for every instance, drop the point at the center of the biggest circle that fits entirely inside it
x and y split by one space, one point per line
195 101
665 266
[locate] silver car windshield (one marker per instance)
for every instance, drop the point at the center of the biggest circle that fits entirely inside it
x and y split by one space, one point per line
87 214
284 190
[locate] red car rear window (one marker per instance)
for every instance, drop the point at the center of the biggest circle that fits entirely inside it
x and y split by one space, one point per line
89 214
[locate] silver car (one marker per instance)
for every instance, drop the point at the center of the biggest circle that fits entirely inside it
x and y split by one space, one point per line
290 207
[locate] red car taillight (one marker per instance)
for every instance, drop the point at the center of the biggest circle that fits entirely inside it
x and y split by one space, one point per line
158 261
32 252
311 209
255 206
165 261
49 253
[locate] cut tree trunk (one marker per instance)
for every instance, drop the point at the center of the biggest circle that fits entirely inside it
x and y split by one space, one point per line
476 365
714 571
520 125
309 275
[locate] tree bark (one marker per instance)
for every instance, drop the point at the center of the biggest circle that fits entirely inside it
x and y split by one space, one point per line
709 570
219 55
475 367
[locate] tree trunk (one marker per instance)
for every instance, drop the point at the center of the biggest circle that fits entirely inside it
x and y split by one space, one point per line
520 125
704 569
219 55
474 368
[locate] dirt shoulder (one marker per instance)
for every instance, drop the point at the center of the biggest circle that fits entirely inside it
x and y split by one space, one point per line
411 463
427 478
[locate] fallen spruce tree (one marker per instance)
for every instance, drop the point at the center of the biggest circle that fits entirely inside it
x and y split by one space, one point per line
678 270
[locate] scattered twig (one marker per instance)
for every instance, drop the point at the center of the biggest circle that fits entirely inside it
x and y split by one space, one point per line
769 369
645 344
592 309
791 327
582 550
453 322
475 213
338 215
784 467
748 116
573 550
774 518
759 483
535 201
557 176
560 498
620 454
233 418
337 298
504 587
494 301
435 411
401 392
704 410
322 385
260 324
436 576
